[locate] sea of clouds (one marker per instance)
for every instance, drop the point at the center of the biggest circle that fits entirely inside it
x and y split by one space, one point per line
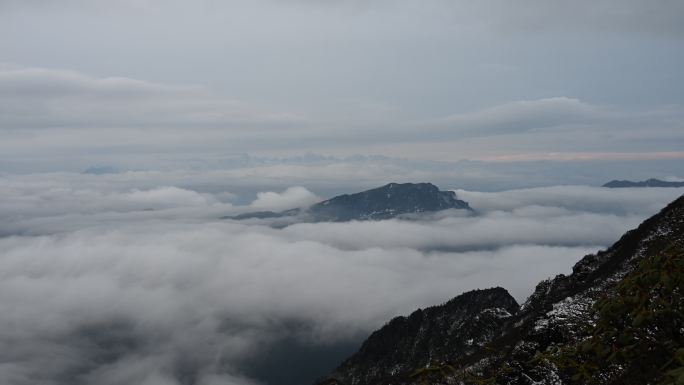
114 279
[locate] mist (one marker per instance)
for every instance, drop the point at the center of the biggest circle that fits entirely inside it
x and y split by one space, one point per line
132 284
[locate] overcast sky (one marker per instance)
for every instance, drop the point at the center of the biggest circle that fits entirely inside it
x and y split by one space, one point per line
86 83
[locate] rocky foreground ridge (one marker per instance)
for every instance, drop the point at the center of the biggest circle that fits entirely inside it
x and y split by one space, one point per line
617 319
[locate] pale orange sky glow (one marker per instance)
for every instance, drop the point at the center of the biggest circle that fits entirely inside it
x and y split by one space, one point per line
582 156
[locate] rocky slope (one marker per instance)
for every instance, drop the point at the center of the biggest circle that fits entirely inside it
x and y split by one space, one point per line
506 350
389 201
429 336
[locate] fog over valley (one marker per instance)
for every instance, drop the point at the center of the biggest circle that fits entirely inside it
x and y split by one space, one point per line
105 282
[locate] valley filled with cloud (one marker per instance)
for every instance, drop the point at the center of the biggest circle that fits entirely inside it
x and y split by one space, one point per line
109 281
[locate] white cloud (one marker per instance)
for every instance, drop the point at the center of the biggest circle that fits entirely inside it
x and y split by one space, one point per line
222 288
595 200
117 295
293 197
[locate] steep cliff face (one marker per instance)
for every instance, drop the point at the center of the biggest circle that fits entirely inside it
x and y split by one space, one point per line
505 349
594 275
429 336
561 311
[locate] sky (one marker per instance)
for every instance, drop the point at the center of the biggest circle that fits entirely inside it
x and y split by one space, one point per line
152 84
129 128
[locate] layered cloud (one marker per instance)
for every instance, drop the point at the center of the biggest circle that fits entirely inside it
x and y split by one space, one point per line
525 115
190 302
108 280
54 119
35 98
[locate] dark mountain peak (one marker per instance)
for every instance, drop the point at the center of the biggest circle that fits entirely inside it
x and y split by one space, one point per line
646 183
428 336
478 299
388 201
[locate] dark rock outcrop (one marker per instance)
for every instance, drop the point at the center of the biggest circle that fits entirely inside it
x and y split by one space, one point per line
429 336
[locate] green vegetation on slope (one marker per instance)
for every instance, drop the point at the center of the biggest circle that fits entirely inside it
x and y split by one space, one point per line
638 337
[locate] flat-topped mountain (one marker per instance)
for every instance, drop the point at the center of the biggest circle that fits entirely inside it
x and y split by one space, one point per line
618 319
384 202
645 183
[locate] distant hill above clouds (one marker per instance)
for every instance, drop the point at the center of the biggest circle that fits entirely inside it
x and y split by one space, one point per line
646 183
384 202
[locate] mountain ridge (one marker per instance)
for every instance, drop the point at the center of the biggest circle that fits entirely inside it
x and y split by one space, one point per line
416 333
555 315
645 183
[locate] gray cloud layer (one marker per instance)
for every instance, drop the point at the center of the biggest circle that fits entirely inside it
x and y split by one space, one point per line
40 98
439 80
100 289
625 16
52 118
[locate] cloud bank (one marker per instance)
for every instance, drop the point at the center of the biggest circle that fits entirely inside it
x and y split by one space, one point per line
293 197
126 283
